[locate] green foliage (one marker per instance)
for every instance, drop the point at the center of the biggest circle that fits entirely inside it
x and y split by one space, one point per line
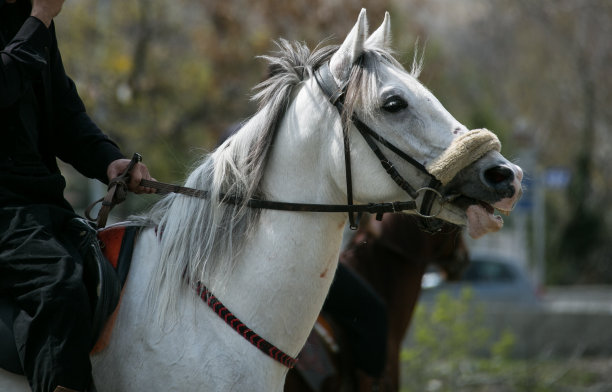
502 348
451 349
450 341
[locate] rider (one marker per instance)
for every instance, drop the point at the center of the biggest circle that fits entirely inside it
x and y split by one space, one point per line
43 118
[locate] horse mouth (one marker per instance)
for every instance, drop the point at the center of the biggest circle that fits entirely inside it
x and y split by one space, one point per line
491 210
481 216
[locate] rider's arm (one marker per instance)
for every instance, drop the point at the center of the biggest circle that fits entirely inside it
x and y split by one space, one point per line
22 60
77 139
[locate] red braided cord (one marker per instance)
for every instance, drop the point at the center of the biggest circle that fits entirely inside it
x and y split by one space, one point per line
263 345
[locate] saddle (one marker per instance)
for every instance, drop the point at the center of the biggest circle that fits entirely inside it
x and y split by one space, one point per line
107 256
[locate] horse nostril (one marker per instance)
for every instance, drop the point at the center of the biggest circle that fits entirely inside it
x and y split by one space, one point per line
498 174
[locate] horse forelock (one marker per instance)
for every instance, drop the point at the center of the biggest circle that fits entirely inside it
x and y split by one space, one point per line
291 64
362 87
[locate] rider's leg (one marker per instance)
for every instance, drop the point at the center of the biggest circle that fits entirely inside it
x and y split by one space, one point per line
42 272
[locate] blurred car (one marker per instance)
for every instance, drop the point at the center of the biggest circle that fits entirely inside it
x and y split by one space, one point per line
494 280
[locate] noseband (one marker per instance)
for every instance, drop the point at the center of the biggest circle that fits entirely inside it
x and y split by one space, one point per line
336 95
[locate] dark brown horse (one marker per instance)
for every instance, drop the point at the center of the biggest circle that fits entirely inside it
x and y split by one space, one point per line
392 256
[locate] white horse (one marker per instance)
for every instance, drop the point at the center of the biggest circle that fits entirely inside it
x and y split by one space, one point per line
271 268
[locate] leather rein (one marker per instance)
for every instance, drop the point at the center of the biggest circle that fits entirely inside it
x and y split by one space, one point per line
118 186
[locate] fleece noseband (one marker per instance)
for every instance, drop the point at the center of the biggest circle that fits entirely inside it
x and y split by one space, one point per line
463 151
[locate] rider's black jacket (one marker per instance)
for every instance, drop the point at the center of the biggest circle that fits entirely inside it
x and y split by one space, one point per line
41 115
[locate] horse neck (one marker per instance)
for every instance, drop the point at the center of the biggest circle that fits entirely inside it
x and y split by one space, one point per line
284 272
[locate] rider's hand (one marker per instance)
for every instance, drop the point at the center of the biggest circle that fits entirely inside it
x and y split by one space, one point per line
46 10
138 173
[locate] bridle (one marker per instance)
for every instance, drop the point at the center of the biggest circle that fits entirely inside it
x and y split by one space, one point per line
336 95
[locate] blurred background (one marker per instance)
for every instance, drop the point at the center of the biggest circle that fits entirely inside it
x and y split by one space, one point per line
166 78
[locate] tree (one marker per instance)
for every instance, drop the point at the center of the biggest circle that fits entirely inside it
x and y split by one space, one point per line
539 74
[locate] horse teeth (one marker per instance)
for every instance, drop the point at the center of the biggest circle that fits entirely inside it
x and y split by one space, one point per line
504 212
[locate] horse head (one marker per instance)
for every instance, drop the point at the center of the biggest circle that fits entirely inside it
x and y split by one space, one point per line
462 171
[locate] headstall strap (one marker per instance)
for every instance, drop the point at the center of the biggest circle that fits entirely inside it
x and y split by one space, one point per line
335 94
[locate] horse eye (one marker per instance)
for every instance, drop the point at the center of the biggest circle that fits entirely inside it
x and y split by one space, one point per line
395 104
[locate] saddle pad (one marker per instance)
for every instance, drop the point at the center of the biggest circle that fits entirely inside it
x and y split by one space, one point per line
111 239
117 245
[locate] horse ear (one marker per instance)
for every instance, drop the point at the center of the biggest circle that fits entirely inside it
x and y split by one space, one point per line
350 50
381 38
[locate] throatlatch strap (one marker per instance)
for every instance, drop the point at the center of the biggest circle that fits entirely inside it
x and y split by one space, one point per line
263 345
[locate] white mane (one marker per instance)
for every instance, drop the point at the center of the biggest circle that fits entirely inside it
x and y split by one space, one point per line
201 238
